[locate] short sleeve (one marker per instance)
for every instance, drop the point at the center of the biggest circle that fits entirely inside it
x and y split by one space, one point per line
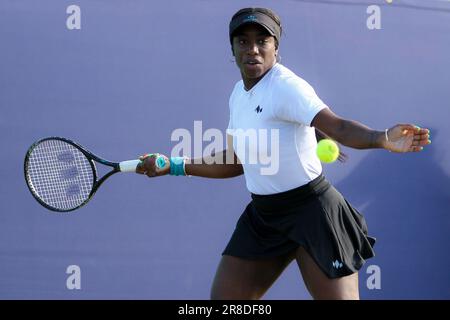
296 101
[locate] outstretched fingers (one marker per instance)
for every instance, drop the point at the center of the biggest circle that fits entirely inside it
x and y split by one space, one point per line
421 137
415 149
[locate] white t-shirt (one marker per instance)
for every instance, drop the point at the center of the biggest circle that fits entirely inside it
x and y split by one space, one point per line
272 136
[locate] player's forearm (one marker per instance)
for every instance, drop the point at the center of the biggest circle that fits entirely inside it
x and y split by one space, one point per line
219 166
354 134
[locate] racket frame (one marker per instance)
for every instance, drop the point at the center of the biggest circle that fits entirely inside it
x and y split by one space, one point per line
89 155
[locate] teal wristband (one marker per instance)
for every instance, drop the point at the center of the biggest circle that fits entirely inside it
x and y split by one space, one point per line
177 166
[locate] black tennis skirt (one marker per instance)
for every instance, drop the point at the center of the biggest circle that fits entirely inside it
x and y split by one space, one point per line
315 216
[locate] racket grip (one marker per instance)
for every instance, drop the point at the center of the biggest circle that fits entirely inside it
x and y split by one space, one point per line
129 165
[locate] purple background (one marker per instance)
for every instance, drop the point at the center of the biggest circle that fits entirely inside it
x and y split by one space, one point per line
137 70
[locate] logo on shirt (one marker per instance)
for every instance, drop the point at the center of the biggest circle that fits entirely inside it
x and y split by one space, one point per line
258 109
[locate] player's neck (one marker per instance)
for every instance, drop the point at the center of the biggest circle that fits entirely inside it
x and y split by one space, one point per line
249 83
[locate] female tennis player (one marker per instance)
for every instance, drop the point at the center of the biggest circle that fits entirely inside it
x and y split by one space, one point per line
294 213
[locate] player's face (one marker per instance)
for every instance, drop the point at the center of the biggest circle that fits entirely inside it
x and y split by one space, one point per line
255 52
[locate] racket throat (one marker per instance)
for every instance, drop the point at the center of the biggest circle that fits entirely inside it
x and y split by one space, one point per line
100 182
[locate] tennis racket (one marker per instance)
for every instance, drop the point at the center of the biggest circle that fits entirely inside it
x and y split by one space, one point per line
62 175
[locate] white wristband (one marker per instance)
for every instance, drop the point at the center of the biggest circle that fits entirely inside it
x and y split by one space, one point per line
386 134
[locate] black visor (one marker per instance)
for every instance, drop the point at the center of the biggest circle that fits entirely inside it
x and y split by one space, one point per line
256 17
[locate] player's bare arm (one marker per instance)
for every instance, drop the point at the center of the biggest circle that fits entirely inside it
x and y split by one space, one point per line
224 164
350 133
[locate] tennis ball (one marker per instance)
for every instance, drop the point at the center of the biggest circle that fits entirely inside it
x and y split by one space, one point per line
327 150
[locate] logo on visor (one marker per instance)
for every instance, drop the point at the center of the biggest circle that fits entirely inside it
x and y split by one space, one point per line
337 264
258 109
250 18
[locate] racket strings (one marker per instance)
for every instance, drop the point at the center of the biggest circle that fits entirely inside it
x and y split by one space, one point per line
59 174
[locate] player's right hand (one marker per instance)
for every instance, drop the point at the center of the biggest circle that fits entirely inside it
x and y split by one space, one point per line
149 167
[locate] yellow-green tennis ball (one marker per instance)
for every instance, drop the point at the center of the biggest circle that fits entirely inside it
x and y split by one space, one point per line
327 150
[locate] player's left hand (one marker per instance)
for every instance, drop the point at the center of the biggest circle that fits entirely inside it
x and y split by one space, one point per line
407 138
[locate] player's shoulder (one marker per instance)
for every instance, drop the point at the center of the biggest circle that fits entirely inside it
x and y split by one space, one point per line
286 82
237 87
287 79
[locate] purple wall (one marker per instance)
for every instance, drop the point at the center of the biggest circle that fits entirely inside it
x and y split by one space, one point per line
116 85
